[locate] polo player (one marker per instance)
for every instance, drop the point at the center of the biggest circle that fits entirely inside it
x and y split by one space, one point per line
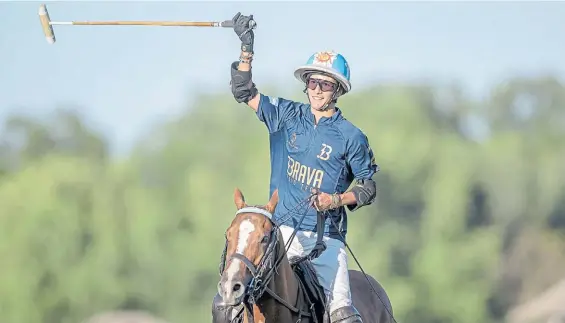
313 147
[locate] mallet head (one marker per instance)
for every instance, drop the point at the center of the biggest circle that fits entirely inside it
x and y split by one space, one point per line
46 24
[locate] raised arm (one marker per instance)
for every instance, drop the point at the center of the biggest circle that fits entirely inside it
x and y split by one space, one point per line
242 86
274 112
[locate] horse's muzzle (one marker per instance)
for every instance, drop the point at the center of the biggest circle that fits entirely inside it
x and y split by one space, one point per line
232 292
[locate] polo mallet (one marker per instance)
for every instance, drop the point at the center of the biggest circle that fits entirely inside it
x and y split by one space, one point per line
47 24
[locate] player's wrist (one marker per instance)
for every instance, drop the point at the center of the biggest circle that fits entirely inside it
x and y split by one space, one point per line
246 58
347 198
336 201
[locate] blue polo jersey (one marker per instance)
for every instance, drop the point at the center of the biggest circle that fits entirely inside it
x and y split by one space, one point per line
327 156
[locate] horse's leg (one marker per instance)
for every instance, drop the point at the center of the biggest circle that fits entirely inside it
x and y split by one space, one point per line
222 314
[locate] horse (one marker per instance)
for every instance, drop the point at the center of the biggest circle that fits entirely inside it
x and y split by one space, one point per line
259 284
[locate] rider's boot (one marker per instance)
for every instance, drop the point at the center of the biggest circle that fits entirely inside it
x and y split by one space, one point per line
222 314
346 314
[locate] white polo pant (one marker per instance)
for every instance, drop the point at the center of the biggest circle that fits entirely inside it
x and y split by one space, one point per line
331 265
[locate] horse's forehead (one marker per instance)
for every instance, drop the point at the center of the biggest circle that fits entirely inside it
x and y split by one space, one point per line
246 227
258 220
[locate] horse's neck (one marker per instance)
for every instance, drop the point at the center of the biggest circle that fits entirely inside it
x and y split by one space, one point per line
284 285
284 282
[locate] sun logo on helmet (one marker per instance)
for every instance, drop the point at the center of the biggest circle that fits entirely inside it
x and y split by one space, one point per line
325 58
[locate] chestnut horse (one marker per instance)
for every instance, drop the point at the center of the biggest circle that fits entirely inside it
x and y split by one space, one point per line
260 284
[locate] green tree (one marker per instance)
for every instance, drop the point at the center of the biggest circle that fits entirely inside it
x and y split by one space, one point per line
467 192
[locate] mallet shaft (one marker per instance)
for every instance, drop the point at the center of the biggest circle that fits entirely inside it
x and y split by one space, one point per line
226 23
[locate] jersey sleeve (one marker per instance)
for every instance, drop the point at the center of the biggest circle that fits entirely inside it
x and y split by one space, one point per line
274 112
360 157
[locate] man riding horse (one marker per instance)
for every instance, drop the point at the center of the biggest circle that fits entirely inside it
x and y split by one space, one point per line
323 152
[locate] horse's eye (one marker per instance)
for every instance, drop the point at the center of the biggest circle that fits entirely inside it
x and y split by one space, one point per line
265 239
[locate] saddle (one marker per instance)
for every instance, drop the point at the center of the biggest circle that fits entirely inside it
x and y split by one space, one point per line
312 297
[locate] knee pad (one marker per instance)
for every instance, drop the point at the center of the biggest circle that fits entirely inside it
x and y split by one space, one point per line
346 314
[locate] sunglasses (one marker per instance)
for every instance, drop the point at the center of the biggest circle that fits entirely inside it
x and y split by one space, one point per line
326 86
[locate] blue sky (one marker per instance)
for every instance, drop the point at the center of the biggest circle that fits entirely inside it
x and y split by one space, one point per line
126 78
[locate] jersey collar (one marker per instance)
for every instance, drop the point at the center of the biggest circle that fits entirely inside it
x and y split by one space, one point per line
325 120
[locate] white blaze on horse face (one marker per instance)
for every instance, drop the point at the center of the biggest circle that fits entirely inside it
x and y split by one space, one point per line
245 230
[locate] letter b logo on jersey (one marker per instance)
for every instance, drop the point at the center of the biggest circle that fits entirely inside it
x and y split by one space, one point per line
325 152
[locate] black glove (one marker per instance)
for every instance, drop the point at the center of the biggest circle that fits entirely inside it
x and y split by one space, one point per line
244 31
317 250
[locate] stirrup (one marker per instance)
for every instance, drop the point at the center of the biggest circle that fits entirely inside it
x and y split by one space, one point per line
346 314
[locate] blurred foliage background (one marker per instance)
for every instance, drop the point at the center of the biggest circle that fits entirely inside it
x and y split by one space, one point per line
469 221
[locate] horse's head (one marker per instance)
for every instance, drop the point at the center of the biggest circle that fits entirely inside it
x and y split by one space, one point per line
251 242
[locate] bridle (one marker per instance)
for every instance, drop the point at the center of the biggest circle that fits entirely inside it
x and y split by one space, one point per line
264 272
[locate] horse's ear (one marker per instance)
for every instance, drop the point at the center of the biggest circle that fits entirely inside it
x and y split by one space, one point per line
238 199
273 201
